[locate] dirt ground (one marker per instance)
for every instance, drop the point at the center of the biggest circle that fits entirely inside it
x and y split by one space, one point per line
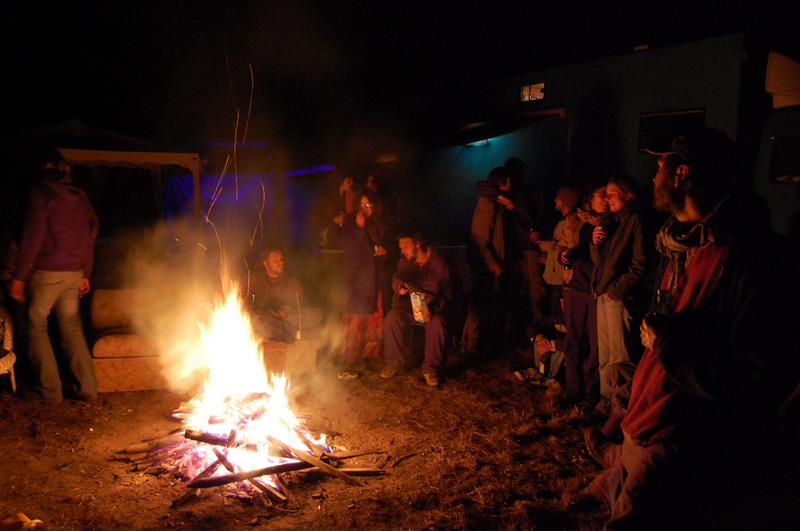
483 450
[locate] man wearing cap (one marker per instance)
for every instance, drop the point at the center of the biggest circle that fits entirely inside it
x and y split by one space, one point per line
719 358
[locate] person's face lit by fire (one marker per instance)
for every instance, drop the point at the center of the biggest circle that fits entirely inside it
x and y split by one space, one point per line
274 264
409 248
667 196
346 185
598 202
366 207
372 182
617 197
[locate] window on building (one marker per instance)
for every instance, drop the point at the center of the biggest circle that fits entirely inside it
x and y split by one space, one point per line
533 92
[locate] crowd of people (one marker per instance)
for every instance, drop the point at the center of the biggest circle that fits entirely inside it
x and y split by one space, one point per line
681 340
675 333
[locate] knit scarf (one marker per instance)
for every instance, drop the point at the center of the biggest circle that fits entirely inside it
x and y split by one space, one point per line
676 238
589 216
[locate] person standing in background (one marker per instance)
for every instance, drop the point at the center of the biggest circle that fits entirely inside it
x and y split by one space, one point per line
363 236
56 255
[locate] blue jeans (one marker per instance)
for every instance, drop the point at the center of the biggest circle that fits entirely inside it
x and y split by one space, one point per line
614 324
58 291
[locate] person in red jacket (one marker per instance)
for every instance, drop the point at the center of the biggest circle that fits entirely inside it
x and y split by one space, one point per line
719 358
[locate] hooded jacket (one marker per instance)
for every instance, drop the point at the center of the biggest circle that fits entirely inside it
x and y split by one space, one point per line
59 230
487 243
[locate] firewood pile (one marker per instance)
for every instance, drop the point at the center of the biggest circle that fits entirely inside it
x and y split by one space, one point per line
210 457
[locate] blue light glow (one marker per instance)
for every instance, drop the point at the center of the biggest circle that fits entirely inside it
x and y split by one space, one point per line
305 171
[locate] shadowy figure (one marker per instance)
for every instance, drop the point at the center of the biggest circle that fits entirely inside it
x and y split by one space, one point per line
56 254
363 236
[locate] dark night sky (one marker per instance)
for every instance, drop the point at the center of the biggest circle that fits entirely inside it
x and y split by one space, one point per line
176 72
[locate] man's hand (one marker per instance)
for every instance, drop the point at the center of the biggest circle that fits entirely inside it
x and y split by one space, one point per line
280 313
17 290
403 288
544 345
653 326
505 202
84 287
496 270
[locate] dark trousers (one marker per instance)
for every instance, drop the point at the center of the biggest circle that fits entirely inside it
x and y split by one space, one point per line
491 315
580 353
396 323
532 272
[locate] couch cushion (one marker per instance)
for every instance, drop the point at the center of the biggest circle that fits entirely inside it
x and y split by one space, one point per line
124 346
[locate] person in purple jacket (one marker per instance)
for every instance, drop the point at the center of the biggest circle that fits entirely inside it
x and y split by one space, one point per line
422 271
56 252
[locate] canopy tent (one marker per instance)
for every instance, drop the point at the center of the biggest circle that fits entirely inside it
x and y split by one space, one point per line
82 144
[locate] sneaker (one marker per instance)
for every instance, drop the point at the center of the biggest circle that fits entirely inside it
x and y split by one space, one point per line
596 446
388 373
431 378
86 397
348 372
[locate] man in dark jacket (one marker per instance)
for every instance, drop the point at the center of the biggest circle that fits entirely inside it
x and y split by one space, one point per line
278 307
719 358
495 260
55 261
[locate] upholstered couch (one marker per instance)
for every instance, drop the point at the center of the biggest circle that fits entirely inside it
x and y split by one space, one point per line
125 360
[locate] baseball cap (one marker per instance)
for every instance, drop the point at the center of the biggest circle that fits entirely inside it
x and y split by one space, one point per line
701 146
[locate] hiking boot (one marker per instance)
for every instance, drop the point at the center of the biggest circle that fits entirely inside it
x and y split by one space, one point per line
431 378
388 373
596 446
583 499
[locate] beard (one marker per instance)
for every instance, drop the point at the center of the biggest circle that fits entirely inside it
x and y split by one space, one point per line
667 199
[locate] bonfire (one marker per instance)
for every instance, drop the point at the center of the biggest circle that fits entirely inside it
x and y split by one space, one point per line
239 430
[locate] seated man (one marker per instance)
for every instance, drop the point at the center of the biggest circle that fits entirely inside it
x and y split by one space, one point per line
420 270
277 306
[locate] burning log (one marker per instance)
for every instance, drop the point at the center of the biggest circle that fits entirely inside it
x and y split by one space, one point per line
218 481
203 483
266 489
188 493
217 440
338 456
313 461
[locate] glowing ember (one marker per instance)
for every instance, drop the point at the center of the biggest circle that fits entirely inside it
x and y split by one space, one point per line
241 404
